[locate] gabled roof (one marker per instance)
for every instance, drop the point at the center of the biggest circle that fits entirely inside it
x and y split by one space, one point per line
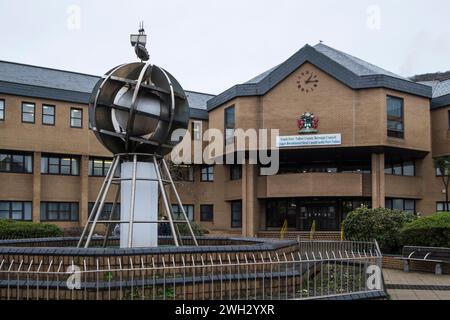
53 84
353 72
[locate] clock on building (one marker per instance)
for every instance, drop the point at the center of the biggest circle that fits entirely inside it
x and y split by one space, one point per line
307 81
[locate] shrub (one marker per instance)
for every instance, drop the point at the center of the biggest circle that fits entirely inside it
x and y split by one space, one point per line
10 229
432 231
379 224
196 228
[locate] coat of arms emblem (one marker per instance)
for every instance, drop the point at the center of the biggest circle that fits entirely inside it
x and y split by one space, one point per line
308 123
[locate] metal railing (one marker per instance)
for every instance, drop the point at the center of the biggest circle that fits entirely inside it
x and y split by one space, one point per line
316 270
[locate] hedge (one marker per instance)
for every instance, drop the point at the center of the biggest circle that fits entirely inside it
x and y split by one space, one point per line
25 230
379 224
431 231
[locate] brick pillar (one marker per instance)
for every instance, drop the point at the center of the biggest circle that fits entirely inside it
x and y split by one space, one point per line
84 189
250 220
36 187
378 181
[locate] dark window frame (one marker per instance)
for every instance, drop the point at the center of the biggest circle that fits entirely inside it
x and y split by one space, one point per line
108 205
208 174
234 167
187 211
15 154
44 115
394 133
390 166
448 115
391 206
11 211
236 223
104 167
202 213
3 109
34 112
225 124
81 118
60 157
194 122
443 205
45 212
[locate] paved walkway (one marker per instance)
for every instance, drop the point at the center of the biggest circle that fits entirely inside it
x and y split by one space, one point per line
416 286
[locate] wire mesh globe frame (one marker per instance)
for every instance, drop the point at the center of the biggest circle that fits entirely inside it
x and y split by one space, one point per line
136 107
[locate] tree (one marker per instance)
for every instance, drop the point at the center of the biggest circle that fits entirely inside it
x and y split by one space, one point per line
443 165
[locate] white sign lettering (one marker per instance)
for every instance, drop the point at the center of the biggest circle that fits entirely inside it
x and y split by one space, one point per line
309 140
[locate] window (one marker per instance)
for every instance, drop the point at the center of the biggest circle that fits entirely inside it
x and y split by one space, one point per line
406 205
207 212
2 109
99 167
448 119
16 163
60 165
395 126
178 213
196 130
439 173
208 174
235 172
48 115
230 124
28 112
106 211
236 214
401 169
76 118
59 211
441 207
15 210
183 173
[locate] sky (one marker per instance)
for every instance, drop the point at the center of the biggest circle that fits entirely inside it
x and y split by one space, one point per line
211 45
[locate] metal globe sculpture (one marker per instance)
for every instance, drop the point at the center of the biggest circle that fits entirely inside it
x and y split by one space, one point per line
136 107
134 110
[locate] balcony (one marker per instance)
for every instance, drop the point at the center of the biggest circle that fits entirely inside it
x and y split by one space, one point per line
315 185
403 187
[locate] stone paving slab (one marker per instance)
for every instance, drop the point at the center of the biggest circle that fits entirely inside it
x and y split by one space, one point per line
416 286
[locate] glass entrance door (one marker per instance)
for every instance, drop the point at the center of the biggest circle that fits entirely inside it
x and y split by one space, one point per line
325 216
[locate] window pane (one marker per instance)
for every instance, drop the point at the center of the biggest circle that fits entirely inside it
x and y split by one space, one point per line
408 169
28 211
397 204
75 167
48 110
28 164
397 169
74 212
28 117
48 119
76 123
410 205
28 108
65 166
2 110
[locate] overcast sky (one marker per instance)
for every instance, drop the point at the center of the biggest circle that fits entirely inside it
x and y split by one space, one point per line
210 45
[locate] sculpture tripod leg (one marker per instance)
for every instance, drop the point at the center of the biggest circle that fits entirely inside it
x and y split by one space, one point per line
99 204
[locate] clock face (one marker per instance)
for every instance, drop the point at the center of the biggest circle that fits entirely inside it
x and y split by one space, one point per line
307 81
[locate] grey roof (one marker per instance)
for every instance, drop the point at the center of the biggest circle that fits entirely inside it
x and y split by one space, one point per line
355 65
46 77
261 76
441 93
354 72
440 88
53 84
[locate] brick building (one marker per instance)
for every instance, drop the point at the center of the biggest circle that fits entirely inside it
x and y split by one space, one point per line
373 145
